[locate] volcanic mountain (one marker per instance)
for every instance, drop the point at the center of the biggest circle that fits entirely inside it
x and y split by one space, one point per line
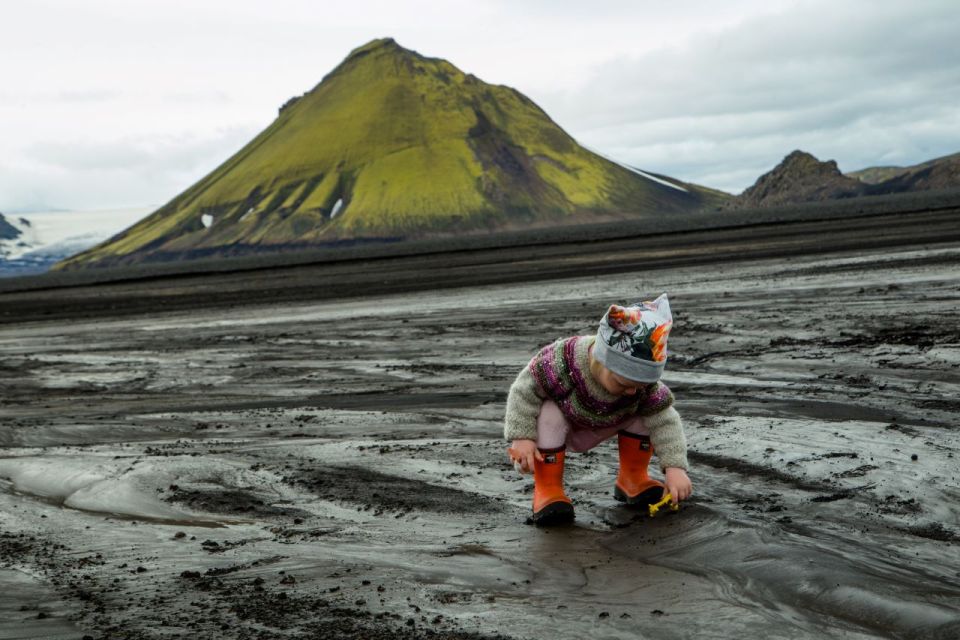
801 177
392 144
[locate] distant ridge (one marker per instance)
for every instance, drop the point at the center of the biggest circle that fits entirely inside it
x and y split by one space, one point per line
7 230
939 173
801 178
390 145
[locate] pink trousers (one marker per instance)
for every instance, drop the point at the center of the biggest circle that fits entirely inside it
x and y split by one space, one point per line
554 430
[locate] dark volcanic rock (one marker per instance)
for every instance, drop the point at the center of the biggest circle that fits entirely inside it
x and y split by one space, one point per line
7 230
800 178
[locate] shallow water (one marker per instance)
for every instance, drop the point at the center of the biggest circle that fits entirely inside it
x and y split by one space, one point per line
348 455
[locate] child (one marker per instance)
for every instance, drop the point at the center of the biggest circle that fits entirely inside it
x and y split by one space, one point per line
579 391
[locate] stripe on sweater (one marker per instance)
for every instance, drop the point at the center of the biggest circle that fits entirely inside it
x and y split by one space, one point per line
561 379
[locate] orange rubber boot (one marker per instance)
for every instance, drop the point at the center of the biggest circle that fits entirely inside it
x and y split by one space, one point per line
550 504
634 486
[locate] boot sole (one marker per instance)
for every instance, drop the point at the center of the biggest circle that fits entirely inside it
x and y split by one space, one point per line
653 495
554 513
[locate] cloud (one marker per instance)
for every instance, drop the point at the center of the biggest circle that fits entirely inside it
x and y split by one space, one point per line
152 154
715 93
71 96
859 82
118 173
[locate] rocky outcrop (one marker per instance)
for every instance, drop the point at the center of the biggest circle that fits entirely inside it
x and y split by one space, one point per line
800 177
7 230
803 178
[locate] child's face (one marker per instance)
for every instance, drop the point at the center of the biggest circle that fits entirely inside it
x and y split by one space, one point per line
618 385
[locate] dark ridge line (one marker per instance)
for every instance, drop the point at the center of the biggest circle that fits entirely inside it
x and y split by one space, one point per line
405 274
385 249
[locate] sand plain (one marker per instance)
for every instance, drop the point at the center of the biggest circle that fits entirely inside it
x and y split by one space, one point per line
262 455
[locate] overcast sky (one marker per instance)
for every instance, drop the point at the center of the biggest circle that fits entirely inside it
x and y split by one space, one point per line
122 103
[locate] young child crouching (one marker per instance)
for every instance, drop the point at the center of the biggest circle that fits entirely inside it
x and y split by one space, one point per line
580 391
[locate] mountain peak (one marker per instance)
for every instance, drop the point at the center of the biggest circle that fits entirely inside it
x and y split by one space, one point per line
382 48
373 45
800 177
802 163
377 57
393 144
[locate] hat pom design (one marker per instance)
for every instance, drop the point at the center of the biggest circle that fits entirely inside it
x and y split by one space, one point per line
640 331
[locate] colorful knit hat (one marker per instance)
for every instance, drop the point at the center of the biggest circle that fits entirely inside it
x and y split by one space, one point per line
632 341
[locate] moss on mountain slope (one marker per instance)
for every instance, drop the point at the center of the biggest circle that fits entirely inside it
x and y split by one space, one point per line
409 146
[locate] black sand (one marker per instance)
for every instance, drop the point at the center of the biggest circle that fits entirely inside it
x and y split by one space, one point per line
313 450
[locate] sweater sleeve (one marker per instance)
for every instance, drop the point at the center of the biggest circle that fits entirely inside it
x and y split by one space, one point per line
523 407
666 435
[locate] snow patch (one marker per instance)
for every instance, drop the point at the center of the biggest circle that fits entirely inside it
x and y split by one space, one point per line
654 178
337 206
23 242
47 237
207 220
639 172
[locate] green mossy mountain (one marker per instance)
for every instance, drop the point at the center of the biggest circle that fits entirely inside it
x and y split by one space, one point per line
392 144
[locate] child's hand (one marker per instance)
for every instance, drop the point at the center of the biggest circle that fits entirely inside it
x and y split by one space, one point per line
678 484
522 453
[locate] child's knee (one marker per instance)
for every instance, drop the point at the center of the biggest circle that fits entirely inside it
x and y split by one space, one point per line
552 426
636 426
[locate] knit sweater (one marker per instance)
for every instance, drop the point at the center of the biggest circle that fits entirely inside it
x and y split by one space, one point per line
561 372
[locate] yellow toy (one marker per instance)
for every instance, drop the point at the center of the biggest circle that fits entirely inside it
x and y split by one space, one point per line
667 500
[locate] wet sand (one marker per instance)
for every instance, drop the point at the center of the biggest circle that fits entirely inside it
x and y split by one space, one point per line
306 461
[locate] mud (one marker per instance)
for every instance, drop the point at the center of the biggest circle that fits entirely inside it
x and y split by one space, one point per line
332 467
368 489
